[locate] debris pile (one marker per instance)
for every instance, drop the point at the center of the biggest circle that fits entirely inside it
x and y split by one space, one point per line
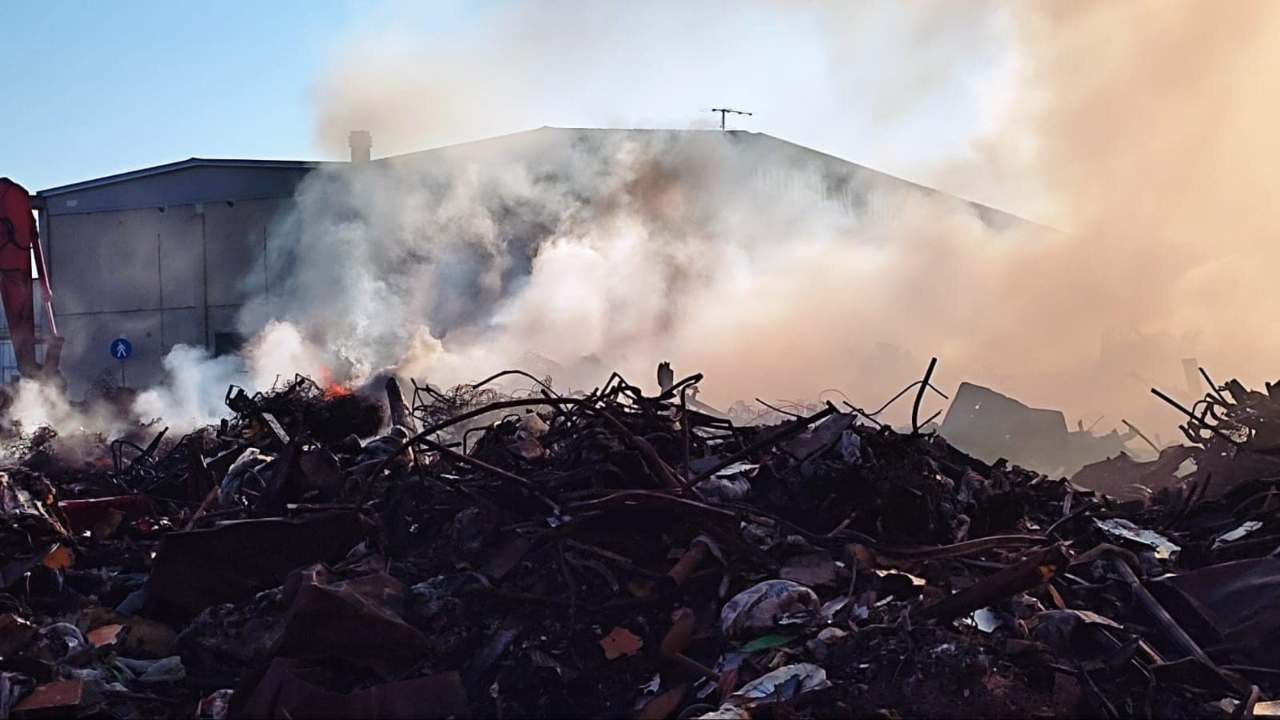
479 553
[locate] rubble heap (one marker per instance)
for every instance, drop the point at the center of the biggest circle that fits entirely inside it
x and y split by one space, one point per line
617 554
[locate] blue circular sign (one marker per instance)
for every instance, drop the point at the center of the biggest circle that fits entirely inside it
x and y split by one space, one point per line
121 349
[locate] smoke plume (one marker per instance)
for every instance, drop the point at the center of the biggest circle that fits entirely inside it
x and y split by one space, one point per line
194 390
1135 128
1140 126
770 268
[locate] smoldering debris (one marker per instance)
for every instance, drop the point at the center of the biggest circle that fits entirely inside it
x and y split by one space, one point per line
489 551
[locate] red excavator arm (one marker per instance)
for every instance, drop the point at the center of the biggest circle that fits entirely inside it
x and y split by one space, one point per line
19 244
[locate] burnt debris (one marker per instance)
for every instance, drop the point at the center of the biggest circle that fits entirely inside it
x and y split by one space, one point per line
483 552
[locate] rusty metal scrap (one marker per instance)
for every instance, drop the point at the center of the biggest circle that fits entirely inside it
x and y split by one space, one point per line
504 549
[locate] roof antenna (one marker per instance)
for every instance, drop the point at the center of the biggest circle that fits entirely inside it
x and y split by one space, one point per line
726 111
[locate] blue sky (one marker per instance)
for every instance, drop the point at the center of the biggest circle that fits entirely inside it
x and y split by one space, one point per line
100 87
104 87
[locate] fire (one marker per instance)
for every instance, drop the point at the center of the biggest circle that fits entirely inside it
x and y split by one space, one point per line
330 387
333 390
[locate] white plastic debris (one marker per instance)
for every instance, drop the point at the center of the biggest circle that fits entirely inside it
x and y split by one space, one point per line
1230 537
729 484
767 605
821 437
712 546
1164 548
249 460
987 620
850 446
652 687
531 425
720 489
738 468
783 684
831 607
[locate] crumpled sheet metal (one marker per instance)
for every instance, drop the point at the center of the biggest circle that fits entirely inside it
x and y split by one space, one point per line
1165 549
358 619
991 425
353 613
28 503
289 689
824 435
1123 477
29 497
1227 467
476 579
782 684
30 526
232 561
1234 602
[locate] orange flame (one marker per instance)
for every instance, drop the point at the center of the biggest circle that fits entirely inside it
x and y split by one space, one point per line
333 390
330 387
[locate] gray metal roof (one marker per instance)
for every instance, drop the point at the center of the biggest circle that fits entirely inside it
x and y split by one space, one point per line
209 179
530 143
195 180
180 165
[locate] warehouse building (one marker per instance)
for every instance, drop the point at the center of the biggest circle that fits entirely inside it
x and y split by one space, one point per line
168 255
159 256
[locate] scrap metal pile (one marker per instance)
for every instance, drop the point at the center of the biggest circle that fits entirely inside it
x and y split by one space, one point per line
622 555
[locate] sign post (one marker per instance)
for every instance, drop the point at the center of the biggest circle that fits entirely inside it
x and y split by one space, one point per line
121 349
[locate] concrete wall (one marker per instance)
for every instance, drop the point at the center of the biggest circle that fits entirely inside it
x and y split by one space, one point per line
157 277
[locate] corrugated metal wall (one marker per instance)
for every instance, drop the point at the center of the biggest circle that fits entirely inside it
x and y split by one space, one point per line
158 278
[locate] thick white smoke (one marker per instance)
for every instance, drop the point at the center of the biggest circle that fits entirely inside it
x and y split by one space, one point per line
189 397
37 404
193 392
771 268
1146 146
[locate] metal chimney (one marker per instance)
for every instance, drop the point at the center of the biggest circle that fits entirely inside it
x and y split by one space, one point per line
361 143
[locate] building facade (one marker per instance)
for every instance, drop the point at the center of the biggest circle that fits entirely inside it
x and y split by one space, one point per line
160 257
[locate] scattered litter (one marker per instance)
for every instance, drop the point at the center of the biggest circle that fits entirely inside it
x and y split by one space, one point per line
915 580
1126 530
1245 528
620 642
767 605
781 685
315 555
105 635
55 697
985 619
764 642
